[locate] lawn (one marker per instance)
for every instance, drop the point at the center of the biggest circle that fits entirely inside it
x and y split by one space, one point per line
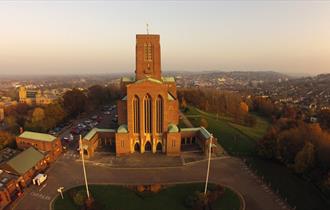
236 139
300 193
118 197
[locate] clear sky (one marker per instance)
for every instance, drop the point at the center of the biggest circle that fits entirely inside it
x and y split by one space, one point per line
69 37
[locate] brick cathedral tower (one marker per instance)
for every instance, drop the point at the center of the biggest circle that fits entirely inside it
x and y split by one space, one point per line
148 56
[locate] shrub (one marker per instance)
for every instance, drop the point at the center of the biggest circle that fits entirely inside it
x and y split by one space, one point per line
155 188
140 188
79 198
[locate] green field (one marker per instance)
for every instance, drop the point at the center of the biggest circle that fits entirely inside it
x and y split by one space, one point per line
118 197
236 139
241 140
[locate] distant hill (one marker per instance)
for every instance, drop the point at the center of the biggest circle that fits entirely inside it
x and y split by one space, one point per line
266 76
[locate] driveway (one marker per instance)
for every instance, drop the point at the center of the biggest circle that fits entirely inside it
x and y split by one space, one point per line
67 172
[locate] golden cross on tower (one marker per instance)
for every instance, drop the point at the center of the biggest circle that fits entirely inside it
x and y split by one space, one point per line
147 28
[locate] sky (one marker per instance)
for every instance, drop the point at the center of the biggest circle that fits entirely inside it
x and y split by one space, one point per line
87 37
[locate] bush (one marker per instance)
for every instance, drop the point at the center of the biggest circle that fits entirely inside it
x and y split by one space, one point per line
155 188
140 188
79 198
198 201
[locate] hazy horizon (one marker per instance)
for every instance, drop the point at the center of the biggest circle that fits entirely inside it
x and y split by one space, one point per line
56 38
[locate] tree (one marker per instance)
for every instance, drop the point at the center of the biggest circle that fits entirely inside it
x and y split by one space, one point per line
266 147
305 158
184 104
11 123
244 107
6 139
324 118
79 198
204 123
38 115
97 95
74 102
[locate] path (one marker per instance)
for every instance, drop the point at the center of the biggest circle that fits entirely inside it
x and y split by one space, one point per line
229 171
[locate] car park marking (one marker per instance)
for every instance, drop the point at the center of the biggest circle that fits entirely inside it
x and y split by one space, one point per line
41 196
42 187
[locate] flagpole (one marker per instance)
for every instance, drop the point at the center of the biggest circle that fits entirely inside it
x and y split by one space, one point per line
208 166
84 168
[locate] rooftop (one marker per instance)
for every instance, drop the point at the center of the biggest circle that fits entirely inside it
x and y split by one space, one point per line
122 129
172 128
37 136
92 132
164 79
26 160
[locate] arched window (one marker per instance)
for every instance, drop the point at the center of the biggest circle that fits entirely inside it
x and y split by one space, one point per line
147 114
136 114
148 51
159 114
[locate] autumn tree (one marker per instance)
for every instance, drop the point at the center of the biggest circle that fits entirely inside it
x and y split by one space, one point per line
38 115
74 102
304 159
183 104
6 139
204 123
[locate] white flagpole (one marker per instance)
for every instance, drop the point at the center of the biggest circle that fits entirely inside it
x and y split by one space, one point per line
208 166
83 162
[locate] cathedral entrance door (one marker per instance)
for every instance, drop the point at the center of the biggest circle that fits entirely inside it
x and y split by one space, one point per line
159 147
137 147
147 147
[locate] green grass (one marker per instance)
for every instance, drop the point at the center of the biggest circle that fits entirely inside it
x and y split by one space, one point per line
118 197
256 132
300 193
240 139
236 139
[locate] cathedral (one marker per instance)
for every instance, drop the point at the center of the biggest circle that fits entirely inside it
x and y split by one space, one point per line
148 114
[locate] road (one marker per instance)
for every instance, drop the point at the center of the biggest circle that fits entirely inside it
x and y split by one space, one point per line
67 172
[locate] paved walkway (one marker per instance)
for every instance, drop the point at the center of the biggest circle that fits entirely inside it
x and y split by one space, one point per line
186 121
67 172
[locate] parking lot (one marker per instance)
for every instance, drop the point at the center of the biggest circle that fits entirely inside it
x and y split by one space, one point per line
103 118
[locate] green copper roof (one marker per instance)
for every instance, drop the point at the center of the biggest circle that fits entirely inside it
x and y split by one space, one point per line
201 130
168 79
149 79
37 136
122 129
172 128
92 132
189 129
170 97
205 133
26 160
128 79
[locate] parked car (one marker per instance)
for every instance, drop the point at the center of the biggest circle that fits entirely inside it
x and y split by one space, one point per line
39 179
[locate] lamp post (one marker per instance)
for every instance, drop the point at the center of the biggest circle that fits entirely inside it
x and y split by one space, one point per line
60 190
84 168
208 165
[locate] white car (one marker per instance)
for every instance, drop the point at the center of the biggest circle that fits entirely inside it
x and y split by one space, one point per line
39 179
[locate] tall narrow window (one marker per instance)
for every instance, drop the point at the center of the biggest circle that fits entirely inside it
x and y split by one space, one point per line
159 114
147 114
136 115
147 51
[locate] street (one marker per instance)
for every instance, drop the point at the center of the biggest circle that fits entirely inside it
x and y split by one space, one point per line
67 172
